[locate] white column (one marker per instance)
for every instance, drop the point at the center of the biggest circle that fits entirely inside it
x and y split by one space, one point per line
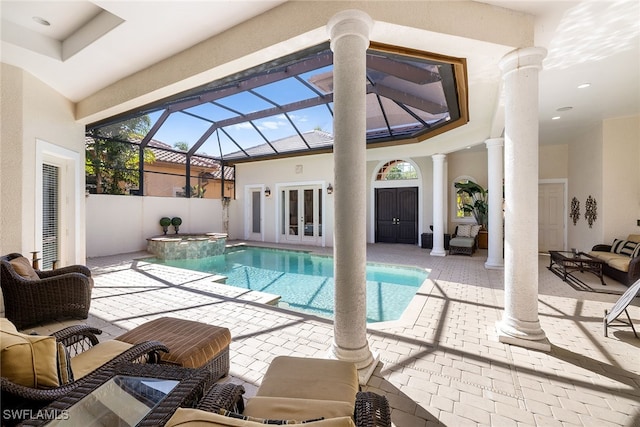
520 324
495 258
349 34
438 205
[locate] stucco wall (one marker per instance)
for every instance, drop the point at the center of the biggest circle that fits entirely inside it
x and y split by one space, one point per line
620 205
585 179
40 126
553 161
121 224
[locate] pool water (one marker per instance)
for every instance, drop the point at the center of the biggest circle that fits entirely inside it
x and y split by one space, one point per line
305 281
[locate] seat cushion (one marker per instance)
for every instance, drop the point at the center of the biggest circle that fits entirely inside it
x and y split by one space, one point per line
290 408
28 360
199 418
90 360
461 242
23 267
310 378
621 263
191 344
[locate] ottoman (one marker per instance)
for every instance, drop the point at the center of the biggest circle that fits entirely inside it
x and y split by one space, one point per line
191 344
305 388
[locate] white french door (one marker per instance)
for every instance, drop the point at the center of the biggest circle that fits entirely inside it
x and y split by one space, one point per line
302 214
254 223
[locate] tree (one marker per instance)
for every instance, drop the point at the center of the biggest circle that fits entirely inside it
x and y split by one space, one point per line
181 145
111 162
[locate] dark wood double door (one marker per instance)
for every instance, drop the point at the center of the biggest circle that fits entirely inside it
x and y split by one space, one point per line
397 215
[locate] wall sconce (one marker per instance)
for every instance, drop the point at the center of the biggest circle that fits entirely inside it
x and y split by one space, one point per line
329 189
267 192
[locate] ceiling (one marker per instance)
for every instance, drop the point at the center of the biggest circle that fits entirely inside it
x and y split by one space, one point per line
90 45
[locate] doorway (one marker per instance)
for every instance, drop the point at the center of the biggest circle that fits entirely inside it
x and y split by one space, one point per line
551 216
396 215
302 214
254 225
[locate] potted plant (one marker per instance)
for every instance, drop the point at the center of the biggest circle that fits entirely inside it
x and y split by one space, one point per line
477 204
165 223
176 221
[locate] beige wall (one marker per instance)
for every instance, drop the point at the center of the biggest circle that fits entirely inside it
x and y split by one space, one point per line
620 205
38 126
553 161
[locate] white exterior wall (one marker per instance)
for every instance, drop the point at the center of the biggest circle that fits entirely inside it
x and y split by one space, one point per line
122 224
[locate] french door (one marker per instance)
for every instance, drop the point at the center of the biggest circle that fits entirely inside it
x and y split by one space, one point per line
302 214
397 215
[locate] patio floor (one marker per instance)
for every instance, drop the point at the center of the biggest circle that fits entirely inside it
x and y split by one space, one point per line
440 365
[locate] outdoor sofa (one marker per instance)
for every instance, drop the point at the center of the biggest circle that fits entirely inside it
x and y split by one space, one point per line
37 370
621 258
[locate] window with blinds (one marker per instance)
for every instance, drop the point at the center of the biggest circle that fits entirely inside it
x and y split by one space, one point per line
50 213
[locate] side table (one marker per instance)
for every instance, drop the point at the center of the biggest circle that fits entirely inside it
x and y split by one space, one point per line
132 394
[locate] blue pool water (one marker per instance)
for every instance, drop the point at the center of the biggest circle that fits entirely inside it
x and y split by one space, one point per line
305 282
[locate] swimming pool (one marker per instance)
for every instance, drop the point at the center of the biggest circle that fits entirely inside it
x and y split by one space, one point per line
305 281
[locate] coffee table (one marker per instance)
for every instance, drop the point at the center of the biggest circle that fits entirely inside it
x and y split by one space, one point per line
564 263
132 394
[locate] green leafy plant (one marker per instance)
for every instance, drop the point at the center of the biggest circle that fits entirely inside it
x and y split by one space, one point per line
165 222
476 200
176 222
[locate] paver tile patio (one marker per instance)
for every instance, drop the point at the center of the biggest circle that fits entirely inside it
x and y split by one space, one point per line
442 365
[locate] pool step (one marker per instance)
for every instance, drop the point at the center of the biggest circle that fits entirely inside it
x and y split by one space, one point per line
245 294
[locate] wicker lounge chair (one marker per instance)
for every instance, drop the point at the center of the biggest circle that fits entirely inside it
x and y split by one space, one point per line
319 391
33 296
82 345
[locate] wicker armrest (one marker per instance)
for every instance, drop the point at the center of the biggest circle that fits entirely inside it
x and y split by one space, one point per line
372 410
602 248
227 396
84 270
77 338
148 351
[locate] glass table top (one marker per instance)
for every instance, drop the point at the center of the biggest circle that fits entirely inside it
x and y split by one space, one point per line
123 401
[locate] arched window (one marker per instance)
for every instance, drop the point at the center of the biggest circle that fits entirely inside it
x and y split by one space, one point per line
396 170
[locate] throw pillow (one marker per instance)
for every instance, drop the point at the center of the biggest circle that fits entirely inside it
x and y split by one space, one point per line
231 414
23 267
29 360
617 245
464 230
475 229
628 248
65 374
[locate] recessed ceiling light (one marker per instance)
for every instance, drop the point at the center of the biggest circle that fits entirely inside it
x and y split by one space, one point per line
564 109
584 85
41 21
555 118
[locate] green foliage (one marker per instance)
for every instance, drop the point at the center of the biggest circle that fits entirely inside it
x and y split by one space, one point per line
113 166
396 172
181 145
477 200
176 221
165 221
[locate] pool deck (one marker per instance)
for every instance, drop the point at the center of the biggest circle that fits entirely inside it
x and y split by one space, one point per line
441 364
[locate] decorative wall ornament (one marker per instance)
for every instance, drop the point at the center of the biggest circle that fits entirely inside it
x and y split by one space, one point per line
575 210
591 210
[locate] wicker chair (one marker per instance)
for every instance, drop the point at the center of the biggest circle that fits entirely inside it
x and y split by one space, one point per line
77 339
371 410
61 293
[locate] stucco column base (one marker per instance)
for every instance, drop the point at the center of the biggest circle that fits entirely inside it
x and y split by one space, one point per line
494 264
365 360
523 334
438 253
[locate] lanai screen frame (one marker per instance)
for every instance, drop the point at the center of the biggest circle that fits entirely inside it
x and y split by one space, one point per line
452 73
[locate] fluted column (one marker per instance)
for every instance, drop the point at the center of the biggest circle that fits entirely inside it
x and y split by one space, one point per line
349 34
495 259
520 324
438 205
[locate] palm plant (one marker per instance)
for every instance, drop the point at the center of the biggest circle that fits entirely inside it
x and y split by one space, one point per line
476 200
